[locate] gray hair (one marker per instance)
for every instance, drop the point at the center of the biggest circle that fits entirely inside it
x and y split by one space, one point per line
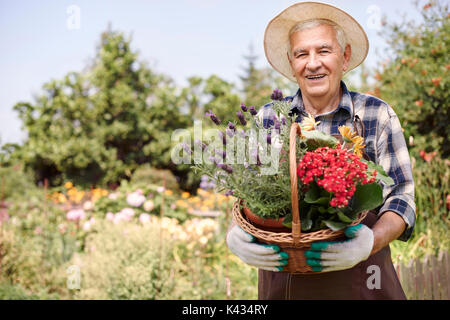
309 24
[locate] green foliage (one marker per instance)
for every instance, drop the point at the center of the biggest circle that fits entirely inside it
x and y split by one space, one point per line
258 84
415 81
432 185
14 182
99 126
148 175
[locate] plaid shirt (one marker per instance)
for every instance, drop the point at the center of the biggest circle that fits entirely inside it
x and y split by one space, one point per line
384 140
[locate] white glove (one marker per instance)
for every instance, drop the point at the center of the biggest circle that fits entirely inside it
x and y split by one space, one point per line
263 256
340 255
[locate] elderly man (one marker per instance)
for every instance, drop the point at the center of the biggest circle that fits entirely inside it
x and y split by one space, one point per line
314 44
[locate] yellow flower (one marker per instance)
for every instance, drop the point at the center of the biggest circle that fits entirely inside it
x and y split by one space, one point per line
358 145
309 123
185 195
168 192
347 133
68 185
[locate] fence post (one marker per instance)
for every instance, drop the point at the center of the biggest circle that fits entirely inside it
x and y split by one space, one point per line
428 282
419 280
436 278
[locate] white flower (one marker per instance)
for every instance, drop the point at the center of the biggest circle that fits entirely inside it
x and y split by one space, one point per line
144 218
113 196
110 216
76 214
149 205
160 189
135 199
88 205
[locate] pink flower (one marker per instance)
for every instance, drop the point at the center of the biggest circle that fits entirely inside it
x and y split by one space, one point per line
38 230
76 214
135 199
144 218
160 189
110 216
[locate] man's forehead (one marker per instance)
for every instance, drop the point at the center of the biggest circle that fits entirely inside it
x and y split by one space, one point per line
318 36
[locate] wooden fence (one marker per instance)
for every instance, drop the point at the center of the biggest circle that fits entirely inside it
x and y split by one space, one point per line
427 279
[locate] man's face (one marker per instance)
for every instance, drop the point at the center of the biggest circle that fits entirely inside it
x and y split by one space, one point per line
317 61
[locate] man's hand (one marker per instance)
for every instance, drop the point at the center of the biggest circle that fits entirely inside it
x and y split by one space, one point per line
340 255
263 256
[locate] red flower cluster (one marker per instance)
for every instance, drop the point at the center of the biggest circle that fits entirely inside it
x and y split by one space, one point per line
338 171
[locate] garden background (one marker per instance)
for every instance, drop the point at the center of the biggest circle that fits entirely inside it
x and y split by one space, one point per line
92 191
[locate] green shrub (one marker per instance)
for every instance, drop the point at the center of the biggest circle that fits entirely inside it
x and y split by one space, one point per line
14 182
432 184
146 175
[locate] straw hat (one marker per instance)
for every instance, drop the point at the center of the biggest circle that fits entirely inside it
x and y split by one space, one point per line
276 36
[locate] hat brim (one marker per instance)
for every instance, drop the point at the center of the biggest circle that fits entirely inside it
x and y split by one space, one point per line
276 36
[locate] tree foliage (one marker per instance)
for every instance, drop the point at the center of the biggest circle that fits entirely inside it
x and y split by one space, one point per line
415 81
100 125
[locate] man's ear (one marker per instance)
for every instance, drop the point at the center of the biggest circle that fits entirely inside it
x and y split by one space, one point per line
347 55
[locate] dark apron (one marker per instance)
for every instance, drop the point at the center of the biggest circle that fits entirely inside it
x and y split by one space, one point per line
356 283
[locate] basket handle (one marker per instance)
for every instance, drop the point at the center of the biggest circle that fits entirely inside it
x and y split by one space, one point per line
296 225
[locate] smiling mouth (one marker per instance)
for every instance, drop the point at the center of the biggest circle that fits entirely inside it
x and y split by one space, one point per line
315 77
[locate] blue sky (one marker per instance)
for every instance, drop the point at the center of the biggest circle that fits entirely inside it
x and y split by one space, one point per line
43 40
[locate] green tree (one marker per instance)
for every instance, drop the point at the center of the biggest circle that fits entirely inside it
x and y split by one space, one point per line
258 83
415 81
100 125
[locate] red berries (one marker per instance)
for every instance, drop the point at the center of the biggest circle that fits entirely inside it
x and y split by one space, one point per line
338 171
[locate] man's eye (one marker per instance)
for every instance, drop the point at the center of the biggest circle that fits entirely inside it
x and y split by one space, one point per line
324 51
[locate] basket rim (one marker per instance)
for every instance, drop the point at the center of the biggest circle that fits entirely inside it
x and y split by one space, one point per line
286 238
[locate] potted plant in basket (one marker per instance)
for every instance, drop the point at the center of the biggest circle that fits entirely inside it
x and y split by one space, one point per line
334 183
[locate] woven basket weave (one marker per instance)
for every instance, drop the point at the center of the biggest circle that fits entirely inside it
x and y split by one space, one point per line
294 243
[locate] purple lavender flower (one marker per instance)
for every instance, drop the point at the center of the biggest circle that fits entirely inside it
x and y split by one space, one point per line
277 124
225 167
229 193
243 107
231 129
253 111
186 148
283 120
201 144
223 137
220 153
276 95
213 117
269 138
241 117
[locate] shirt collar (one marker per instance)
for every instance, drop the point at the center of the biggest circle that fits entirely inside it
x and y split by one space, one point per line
345 103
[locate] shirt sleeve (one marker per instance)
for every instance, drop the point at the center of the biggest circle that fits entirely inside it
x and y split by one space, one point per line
393 156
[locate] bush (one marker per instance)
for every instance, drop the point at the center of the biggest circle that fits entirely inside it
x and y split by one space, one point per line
14 182
147 175
432 185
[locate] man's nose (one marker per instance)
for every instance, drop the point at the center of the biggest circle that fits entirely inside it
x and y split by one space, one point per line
313 62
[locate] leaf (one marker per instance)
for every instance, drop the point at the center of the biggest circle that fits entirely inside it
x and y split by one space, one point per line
307 222
316 139
287 221
335 226
343 217
314 195
366 197
381 174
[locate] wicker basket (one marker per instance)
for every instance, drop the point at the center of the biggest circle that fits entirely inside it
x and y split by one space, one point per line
294 243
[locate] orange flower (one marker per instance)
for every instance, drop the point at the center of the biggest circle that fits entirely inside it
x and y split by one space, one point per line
436 81
419 103
68 185
427 6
